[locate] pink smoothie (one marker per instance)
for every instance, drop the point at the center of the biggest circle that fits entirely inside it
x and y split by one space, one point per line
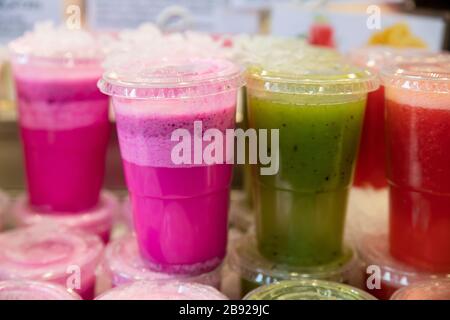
179 210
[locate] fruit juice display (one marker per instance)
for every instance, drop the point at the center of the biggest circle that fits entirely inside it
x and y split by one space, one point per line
4 202
382 273
63 117
170 290
34 290
98 220
254 270
179 207
57 255
418 150
123 264
426 290
308 290
318 110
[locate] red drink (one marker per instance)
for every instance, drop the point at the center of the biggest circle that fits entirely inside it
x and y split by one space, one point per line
418 144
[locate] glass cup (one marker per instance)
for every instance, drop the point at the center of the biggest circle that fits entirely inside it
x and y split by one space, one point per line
34 290
318 108
426 290
179 208
418 154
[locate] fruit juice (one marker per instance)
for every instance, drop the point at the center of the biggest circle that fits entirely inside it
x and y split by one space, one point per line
418 122
56 255
34 290
426 290
179 209
301 209
63 119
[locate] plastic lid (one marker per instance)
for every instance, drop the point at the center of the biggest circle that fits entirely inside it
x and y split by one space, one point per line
310 76
45 253
141 77
34 290
245 259
425 290
167 290
431 76
123 260
96 220
308 290
373 249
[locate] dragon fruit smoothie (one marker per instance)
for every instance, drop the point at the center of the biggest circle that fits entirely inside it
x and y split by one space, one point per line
179 210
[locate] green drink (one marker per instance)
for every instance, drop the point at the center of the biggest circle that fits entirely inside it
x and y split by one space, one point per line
318 111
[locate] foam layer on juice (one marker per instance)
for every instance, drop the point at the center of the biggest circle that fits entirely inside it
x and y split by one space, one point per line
421 99
168 290
47 253
34 290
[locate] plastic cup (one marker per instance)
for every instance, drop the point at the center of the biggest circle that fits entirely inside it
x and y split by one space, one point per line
4 202
308 290
418 154
123 264
98 220
171 290
179 208
384 274
426 290
255 270
34 290
318 108
63 117
57 255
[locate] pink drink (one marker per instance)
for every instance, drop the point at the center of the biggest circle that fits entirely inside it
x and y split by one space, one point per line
171 290
56 255
63 121
34 290
425 290
97 220
179 210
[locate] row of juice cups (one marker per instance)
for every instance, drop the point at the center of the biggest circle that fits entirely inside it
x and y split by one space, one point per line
144 94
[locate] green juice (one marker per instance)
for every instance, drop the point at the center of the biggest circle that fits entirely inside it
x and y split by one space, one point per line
301 210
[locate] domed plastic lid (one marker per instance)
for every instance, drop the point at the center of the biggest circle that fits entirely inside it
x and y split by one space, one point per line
373 249
34 290
122 258
95 220
165 290
425 290
308 290
428 76
142 77
245 259
46 253
310 76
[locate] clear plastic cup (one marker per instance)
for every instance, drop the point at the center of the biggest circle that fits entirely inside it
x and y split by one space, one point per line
98 220
34 290
57 255
123 264
382 273
426 290
255 270
179 205
308 290
170 290
63 117
4 202
318 107
418 153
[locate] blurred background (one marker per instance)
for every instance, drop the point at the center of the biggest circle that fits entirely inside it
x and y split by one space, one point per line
340 24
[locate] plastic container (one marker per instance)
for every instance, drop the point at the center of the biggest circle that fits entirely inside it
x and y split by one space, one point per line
34 290
382 273
426 290
255 270
308 290
64 122
123 264
171 290
57 255
418 144
180 203
4 202
317 104
98 220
